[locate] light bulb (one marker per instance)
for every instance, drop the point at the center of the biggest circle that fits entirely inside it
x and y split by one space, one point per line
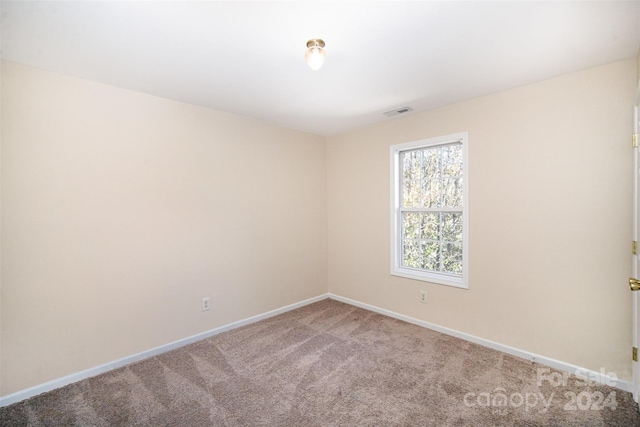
315 54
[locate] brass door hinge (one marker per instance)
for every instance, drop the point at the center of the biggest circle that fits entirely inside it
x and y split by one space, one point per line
634 247
634 353
634 140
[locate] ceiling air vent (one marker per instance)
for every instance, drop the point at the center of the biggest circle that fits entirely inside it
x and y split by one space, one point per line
399 111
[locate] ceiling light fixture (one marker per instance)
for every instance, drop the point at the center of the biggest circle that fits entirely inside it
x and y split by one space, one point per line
315 53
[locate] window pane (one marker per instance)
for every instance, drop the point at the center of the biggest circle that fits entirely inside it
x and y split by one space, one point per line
411 225
452 227
431 193
452 193
411 165
430 226
431 256
411 194
452 258
452 160
411 254
431 163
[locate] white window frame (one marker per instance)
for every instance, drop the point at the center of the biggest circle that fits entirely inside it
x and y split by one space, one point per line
459 281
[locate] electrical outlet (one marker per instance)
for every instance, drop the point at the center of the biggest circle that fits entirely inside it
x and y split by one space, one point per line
423 296
206 304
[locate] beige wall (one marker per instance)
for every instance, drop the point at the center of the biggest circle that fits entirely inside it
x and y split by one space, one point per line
120 211
550 218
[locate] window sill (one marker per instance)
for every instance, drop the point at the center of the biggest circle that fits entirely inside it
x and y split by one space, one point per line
437 278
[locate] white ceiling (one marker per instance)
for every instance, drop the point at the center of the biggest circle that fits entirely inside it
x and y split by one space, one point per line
247 58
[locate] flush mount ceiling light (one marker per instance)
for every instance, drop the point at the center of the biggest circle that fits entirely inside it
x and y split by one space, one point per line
315 53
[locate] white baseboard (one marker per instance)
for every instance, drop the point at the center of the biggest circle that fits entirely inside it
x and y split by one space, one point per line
92 372
97 370
599 377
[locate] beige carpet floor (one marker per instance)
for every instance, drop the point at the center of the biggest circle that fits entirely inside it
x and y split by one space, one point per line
329 364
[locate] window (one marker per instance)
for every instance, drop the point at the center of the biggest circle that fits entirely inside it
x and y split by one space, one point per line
429 210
